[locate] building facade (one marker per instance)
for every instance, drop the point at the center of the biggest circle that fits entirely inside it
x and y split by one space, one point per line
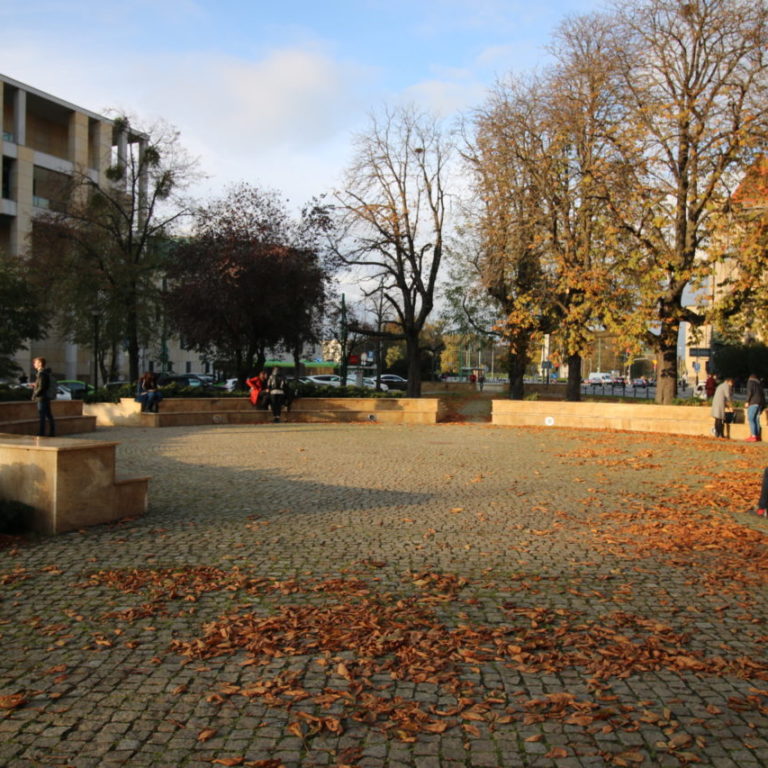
44 140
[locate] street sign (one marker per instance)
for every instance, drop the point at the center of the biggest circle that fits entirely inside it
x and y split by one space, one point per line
697 366
700 352
546 365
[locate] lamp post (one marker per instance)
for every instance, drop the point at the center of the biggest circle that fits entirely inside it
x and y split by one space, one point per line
344 352
95 316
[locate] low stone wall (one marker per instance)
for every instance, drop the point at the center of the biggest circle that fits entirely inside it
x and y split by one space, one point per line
198 411
666 419
19 417
126 413
387 410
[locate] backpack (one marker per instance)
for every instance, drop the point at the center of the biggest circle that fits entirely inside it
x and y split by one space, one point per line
53 387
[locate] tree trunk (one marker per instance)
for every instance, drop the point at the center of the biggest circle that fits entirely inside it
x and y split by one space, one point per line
666 373
516 365
573 387
132 338
413 357
296 362
666 357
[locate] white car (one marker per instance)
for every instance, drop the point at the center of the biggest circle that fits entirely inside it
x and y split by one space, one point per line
393 381
324 380
368 383
62 393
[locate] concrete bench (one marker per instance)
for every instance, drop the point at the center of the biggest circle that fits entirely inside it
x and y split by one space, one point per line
19 417
386 410
70 483
667 419
197 411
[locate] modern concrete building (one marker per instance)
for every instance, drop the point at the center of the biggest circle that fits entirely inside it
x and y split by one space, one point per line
44 140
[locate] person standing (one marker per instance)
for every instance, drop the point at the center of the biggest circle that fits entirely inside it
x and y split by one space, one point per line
41 394
755 406
709 386
722 403
276 386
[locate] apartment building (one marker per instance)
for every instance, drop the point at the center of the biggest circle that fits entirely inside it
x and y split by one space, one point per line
44 140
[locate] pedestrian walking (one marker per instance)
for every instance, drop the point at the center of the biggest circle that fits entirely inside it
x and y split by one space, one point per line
709 386
755 406
722 405
43 392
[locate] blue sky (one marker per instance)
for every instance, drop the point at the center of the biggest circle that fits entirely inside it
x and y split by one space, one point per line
271 92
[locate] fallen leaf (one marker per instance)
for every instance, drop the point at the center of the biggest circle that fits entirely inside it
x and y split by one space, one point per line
13 701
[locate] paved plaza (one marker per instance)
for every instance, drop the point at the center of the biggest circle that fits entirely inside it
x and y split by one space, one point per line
368 595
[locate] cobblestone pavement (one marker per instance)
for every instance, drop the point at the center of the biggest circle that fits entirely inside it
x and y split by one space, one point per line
369 595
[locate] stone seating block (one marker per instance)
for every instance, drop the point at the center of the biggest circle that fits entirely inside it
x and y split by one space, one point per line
193 411
69 483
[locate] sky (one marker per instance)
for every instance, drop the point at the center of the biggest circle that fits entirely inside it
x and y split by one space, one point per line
269 92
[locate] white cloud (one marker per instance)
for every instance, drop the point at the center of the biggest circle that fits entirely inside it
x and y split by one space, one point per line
272 121
446 97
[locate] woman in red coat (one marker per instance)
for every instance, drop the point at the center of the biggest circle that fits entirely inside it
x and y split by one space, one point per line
256 384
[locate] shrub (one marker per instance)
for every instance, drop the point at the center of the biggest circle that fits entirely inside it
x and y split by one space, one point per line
314 390
14 393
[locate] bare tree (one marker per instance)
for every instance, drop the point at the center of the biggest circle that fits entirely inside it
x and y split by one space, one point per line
103 249
391 218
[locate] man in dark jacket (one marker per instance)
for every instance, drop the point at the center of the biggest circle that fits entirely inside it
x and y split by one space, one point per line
755 406
40 394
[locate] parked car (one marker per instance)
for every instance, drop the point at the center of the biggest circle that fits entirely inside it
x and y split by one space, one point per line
597 378
182 380
76 388
393 381
367 383
62 393
324 380
641 382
